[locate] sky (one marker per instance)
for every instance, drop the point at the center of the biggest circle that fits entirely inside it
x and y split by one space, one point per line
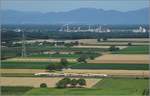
66 5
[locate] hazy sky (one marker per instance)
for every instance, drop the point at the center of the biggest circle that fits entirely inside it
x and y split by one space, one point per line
65 5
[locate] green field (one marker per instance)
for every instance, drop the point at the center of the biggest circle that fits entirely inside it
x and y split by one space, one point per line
24 65
46 48
14 91
43 65
112 87
111 66
16 51
134 50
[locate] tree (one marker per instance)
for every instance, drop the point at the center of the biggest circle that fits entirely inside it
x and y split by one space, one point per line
98 39
105 39
113 48
43 85
64 62
68 44
81 82
76 43
92 57
74 82
52 67
63 83
129 44
57 52
82 58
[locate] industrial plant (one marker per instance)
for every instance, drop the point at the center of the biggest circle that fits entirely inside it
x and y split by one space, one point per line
100 29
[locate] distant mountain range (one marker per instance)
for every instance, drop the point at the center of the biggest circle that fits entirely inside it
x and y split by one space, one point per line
77 16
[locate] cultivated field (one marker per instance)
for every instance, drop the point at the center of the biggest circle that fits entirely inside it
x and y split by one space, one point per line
83 46
74 65
22 71
128 62
90 40
133 50
121 58
28 59
108 87
35 82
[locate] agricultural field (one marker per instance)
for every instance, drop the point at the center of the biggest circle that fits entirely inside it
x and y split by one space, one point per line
122 58
43 65
55 56
127 87
14 90
133 50
83 46
107 86
36 81
127 67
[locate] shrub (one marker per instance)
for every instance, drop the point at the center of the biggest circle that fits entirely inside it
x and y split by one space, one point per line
82 58
63 83
81 82
99 40
74 82
105 39
43 85
55 67
129 44
113 48
92 57
64 62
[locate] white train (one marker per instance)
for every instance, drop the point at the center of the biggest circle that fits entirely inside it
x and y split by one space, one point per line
70 75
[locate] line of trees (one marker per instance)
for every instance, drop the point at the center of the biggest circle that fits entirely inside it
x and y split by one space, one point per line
71 83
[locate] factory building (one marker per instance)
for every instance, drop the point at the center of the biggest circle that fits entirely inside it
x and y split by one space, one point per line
140 29
99 29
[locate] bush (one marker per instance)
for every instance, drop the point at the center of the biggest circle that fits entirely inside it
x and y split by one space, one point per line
105 39
99 40
67 81
63 83
55 67
74 82
82 58
129 44
57 52
43 85
113 48
81 82
64 62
